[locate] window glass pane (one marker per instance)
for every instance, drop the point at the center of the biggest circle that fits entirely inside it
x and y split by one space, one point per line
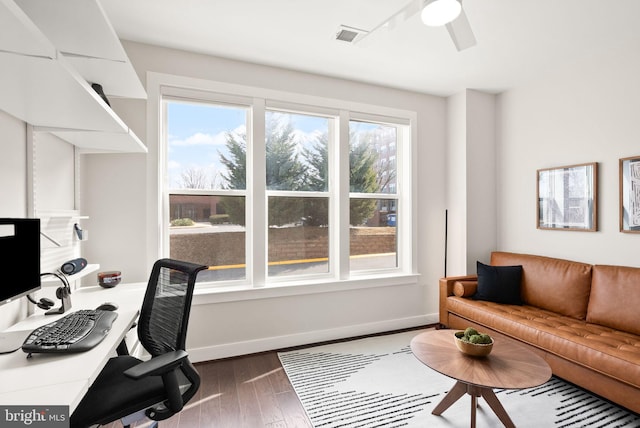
372 157
296 152
373 241
298 236
209 230
206 146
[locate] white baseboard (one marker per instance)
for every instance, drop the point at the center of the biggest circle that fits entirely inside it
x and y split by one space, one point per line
233 349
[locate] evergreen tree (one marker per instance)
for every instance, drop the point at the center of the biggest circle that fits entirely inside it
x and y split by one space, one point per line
316 210
236 164
362 179
317 159
285 171
235 177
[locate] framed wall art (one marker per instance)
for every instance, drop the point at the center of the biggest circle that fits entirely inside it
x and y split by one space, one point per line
567 197
630 194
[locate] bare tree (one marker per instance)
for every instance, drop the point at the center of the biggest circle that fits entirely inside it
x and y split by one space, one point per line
198 178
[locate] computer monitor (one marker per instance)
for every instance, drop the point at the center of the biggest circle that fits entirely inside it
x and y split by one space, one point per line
19 257
19 264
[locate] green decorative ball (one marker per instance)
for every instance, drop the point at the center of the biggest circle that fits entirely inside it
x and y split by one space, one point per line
470 331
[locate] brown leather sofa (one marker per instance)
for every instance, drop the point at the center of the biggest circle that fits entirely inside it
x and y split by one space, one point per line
583 319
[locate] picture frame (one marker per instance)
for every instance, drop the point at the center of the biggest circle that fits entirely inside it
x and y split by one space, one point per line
630 194
567 197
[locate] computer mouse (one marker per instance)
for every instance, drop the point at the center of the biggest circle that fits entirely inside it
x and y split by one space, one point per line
107 306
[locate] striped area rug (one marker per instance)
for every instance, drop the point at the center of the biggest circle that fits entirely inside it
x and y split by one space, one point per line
377 382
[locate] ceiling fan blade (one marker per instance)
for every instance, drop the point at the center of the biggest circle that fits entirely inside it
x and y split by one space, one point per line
410 9
460 31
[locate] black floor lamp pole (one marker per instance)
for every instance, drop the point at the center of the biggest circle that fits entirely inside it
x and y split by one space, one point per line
446 228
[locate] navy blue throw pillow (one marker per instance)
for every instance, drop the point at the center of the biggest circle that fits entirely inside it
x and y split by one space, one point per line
499 284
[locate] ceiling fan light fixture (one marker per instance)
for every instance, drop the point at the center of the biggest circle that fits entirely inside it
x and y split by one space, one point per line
440 12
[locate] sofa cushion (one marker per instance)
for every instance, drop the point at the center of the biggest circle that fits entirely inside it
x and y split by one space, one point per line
499 284
615 298
558 285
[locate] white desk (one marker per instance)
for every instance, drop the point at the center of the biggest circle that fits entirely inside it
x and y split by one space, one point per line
50 379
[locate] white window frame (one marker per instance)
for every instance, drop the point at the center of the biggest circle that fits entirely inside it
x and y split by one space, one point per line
261 99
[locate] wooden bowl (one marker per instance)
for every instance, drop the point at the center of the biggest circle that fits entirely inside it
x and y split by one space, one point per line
474 349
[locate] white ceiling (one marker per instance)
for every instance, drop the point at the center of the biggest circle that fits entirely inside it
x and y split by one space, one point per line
517 39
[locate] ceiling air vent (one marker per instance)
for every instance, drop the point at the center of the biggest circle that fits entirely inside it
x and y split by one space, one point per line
349 34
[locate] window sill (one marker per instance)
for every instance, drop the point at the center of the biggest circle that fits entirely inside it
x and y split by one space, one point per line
205 296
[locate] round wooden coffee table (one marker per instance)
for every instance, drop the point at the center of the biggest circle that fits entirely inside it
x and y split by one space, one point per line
509 366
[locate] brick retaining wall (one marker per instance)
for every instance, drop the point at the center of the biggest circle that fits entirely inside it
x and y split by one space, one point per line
291 243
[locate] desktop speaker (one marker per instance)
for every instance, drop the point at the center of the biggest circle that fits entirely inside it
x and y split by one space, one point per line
73 266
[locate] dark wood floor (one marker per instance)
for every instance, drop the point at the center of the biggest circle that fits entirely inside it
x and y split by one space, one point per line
250 391
244 392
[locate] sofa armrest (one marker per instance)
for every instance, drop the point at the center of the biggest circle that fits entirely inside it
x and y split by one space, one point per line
446 290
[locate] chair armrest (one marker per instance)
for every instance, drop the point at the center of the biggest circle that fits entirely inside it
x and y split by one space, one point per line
446 290
157 366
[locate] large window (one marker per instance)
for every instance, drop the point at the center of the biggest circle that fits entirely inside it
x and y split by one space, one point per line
264 195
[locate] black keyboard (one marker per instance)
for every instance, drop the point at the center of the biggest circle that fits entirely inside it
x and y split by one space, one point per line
78 331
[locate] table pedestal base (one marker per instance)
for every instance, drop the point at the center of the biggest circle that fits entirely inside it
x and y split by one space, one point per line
460 388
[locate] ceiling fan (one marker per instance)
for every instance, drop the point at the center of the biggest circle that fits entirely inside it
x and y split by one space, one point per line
449 13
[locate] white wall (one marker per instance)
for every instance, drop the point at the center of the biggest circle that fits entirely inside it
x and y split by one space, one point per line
481 177
471 180
13 166
113 195
51 187
224 328
456 184
54 173
586 112
13 190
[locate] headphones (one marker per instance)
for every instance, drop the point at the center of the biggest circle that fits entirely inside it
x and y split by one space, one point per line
62 293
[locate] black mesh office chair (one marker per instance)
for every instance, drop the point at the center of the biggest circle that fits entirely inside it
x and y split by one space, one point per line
128 388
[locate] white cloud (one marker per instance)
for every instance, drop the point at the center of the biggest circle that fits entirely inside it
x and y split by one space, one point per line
200 139
203 139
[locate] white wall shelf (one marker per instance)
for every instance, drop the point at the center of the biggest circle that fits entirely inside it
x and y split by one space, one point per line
49 280
49 60
103 142
20 35
97 54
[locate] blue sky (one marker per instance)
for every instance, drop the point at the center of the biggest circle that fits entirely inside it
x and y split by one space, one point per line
197 135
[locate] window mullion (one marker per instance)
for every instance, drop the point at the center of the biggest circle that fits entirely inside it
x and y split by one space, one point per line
342 195
162 174
257 200
374 195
